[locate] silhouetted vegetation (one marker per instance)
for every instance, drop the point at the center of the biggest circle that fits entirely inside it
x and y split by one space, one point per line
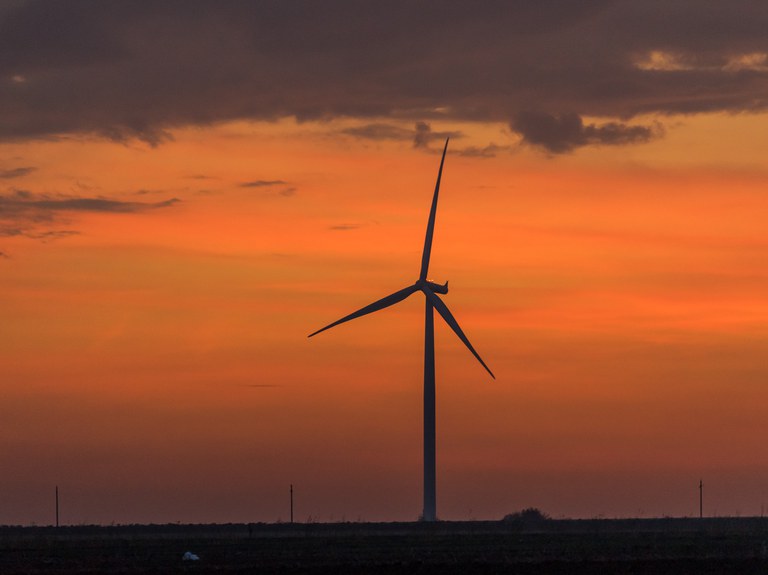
528 516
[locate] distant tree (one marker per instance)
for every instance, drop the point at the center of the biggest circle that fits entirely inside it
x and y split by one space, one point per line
528 516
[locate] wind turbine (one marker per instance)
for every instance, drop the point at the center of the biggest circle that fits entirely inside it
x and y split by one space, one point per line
433 301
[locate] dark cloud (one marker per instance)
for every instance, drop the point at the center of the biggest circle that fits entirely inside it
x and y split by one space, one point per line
23 213
263 183
424 135
421 135
488 151
92 205
283 188
564 132
123 133
29 229
51 235
344 227
15 173
379 132
138 68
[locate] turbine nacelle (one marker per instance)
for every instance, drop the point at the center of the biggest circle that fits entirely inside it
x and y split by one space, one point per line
436 288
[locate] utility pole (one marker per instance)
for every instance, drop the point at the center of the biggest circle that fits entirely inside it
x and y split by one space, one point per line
291 502
57 506
701 499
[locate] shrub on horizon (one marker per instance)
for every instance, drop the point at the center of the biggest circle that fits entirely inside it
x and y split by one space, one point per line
527 516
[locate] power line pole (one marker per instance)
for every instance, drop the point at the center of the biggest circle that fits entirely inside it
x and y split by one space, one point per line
57 506
291 502
701 499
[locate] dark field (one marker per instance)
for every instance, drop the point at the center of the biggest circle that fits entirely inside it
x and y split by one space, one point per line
674 546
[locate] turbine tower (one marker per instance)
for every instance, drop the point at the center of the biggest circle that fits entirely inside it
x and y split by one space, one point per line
433 302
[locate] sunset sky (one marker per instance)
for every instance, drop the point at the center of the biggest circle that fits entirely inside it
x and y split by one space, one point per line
189 188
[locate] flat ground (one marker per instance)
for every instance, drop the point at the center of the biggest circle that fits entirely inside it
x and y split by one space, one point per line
652 546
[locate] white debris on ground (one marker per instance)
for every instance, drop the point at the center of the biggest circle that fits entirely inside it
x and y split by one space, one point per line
189 556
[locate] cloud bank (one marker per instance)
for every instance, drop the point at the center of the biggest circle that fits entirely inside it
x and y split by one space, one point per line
263 183
564 132
138 69
38 216
282 187
15 173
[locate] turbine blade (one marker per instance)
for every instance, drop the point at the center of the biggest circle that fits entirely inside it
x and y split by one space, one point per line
443 310
431 223
391 299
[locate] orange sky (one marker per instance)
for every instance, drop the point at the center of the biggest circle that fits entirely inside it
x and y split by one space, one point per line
155 364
